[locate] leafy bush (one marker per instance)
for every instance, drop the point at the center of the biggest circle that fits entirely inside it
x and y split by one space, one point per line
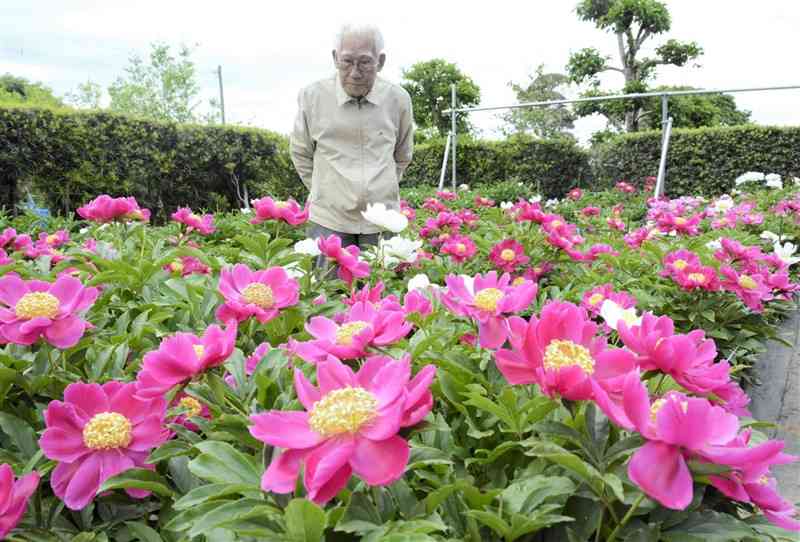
69 157
701 160
551 166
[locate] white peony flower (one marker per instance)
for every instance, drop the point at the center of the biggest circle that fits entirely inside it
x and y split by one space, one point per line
536 198
715 245
463 187
294 270
749 177
769 236
505 205
419 282
551 202
722 204
387 219
83 231
308 247
612 313
773 180
786 253
399 250
246 211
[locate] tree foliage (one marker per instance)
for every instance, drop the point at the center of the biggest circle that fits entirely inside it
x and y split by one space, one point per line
633 22
20 91
162 88
542 122
428 83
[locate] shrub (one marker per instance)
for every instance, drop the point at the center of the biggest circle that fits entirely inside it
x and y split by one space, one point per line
701 160
70 157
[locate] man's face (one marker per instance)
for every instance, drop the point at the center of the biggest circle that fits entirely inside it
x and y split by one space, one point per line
357 65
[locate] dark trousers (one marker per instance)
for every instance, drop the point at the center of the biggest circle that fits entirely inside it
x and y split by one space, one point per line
361 240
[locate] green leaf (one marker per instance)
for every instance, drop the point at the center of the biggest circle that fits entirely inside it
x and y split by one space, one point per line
143 532
225 513
708 526
208 492
526 495
305 521
138 479
220 462
20 433
491 520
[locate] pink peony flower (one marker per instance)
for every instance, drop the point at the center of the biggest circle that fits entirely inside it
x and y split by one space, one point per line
330 446
255 293
104 208
434 205
361 326
14 495
481 201
54 240
752 289
203 225
35 309
446 195
575 194
507 255
96 433
4 259
459 247
187 265
288 211
416 301
7 237
407 210
488 300
593 298
193 408
23 243
677 261
678 427
590 211
628 188
350 267
181 357
697 277
560 352
373 295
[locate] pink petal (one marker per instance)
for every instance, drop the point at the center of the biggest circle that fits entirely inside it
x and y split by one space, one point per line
390 382
514 366
332 374
65 333
322 328
62 445
307 393
284 429
660 471
380 463
387 423
88 399
323 468
83 482
492 333
12 288
281 475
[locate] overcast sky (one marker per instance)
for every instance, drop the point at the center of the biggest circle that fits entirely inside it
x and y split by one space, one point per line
269 50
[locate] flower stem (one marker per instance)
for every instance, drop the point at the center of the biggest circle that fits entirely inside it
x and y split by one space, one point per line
627 517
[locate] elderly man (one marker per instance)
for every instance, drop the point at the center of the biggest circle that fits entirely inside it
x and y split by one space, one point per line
352 139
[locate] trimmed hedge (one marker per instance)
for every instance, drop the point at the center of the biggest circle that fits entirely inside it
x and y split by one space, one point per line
700 160
70 157
551 166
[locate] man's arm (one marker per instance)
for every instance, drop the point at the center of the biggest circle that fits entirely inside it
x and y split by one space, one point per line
301 146
404 148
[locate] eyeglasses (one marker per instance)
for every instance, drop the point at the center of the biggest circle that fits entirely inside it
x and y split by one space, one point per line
364 64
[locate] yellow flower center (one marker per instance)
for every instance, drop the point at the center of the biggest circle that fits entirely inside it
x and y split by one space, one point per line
35 304
137 214
259 294
52 239
406 212
680 264
564 353
680 221
192 406
281 204
345 333
723 221
341 411
199 350
763 480
461 248
747 282
698 278
508 255
594 299
487 299
518 281
537 270
107 430
655 407
177 267
555 223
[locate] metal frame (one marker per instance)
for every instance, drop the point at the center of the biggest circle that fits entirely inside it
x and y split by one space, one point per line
666 121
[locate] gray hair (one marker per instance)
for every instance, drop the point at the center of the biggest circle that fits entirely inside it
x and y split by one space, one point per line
367 30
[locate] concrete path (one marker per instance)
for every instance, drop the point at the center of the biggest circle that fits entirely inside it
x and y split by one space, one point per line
777 399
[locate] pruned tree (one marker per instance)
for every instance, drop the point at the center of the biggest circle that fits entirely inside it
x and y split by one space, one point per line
633 23
544 122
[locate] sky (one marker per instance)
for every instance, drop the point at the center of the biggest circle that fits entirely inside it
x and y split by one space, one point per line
269 50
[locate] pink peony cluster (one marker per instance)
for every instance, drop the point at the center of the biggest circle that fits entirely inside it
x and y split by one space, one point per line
14 495
288 211
255 293
204 225
349 265
104 208
508 255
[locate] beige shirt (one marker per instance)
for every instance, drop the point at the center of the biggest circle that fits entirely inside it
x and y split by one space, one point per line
350 153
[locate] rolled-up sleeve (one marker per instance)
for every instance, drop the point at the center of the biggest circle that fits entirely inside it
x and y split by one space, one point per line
301 145
404 148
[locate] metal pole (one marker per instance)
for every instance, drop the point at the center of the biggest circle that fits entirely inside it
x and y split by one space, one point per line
444 160
221 94
622 97
453 129
662 165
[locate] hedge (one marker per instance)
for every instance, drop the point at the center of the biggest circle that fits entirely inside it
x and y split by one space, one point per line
700 160
552 166
70 157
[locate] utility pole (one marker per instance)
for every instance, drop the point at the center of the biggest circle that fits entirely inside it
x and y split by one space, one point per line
221 94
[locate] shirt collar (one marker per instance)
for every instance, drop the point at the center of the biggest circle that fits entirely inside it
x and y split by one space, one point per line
374 96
